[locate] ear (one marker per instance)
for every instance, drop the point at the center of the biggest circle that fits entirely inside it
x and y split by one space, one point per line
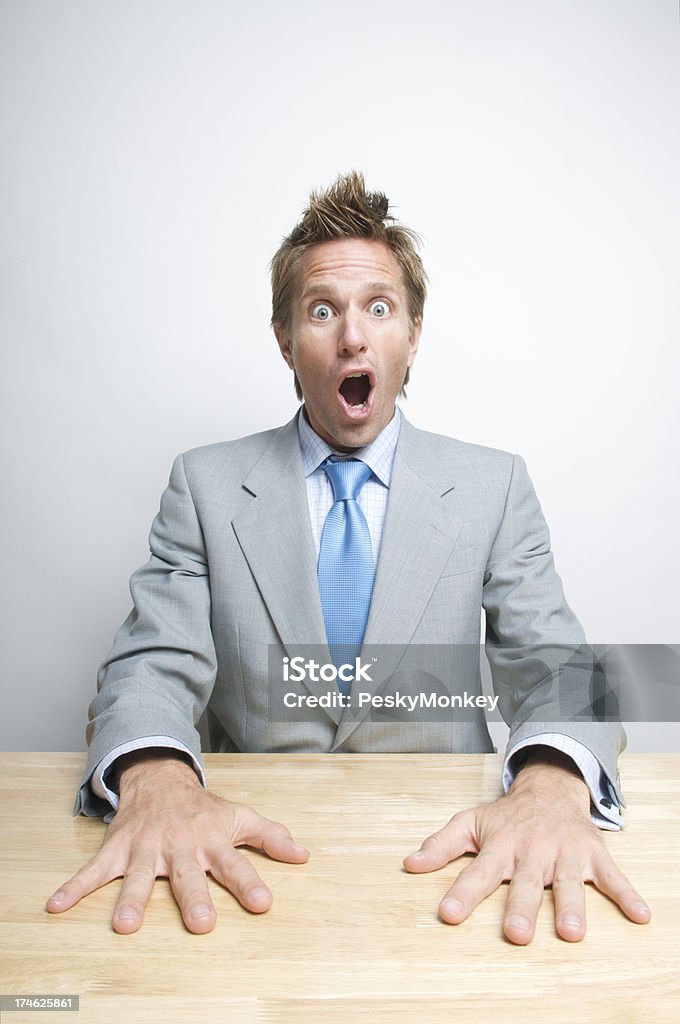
414 340
283 339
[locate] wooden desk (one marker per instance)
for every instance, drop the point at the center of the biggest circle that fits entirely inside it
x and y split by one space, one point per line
350 936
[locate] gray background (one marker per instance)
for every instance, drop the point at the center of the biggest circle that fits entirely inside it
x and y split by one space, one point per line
154 153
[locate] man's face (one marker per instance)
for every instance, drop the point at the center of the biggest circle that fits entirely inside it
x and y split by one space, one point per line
349 339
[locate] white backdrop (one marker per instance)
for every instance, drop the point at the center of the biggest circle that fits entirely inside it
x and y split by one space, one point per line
154 153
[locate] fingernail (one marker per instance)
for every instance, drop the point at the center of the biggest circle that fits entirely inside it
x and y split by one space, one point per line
58 896
201 910
641 908
259 894
571 921
520 923
453 907
127 914
418 855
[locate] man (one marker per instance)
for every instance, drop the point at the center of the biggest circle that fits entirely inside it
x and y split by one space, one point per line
257 548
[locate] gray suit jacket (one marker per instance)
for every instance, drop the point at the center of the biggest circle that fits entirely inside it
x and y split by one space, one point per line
232 578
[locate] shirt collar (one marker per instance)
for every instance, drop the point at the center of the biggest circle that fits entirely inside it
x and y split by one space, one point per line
379 454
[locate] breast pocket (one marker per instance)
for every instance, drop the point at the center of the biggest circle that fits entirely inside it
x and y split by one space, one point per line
463 560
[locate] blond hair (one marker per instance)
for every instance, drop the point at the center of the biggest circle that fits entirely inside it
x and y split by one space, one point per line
346 210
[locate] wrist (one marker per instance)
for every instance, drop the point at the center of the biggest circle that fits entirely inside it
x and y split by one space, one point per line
152 763
549 772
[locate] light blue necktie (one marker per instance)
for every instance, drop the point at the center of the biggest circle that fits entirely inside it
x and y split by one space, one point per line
345 569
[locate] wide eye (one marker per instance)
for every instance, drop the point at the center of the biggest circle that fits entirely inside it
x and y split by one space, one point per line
379 308
321 311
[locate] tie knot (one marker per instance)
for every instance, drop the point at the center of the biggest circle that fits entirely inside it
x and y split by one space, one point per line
347 477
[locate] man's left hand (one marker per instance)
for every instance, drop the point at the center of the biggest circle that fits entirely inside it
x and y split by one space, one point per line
539 834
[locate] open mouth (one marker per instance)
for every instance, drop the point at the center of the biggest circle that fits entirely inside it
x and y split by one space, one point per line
355 390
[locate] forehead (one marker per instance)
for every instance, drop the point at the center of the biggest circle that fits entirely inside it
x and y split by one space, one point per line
349 261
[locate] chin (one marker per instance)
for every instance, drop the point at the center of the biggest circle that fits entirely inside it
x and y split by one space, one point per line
355 437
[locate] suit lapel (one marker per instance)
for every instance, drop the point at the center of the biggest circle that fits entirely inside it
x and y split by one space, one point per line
275 535
418 536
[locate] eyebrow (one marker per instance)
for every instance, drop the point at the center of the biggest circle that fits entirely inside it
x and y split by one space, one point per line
380 287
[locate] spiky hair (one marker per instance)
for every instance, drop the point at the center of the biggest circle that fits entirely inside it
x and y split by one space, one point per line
347 210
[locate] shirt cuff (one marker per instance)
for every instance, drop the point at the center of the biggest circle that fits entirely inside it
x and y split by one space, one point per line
99 786
604 806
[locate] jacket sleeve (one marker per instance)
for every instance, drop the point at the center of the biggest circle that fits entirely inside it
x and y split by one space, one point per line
159 674
546 676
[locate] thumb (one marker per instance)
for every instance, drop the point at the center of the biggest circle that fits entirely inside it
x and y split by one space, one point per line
252 829
445 845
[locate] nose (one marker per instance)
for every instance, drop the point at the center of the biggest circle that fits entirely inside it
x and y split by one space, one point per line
352 338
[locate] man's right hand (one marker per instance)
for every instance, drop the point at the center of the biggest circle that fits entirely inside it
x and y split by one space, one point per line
168 825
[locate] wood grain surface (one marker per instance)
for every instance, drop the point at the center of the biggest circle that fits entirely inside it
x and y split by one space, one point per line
350 936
